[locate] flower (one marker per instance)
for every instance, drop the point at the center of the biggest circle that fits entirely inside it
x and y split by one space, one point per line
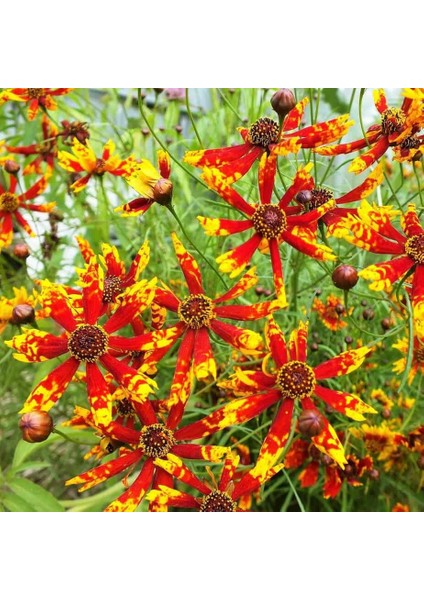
292 382
398 129
45 151
74 130
372 230
36 98
272 224
302 452
399 507
384 441
21 297
86 340
143 446
229 495
199 315
265 139
153 186
417 364
84 159
11 205
331 312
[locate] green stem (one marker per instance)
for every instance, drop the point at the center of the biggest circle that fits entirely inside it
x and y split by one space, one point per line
296 495
230 106
190 116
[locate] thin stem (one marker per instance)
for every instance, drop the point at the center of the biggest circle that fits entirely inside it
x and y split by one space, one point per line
230 106
190 116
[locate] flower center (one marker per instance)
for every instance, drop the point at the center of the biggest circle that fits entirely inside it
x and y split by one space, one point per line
412 141
392 120
218 501
269 221
263 132
88 342
8 202
319 197
419 355
414 248
35 92
296 379
124 407
112 289
196 311
100 167
156 440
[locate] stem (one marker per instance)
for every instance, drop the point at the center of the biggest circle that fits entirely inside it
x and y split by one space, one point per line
228 103
190 115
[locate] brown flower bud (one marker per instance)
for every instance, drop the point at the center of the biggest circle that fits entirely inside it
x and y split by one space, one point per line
36 426
283 101
386 324
339 308
145 131
326 460
364 303
345 277
22 314
385 413
314 347
310 422
267 293
162 192
12 167
368 314
178 128
348 339
374 474
304 197
259 290
21 250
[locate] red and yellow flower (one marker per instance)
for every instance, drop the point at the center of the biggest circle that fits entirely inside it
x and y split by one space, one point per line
291 383
266 140
85 160
372 230
417 364
12 203
45 151
272 224
231 494
86 340
386 442
199 315
331 312
398 129
155 440
21 297
35 97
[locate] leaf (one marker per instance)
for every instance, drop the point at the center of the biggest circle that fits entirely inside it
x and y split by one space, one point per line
37 497
15 504
333 98
34 465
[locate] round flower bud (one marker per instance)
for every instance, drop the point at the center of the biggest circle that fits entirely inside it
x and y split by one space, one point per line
162 192
21 250
283 101
385 413
12 167
314 347
374 474
310 422
304 197
22 314
386 324
36 426
348 339
339 308
345 277
368 314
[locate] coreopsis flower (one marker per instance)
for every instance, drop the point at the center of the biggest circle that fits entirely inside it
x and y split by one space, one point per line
272 224
399 507
84 159
303 453
385 442
74 130
11 205
331 312
35 97
44 151
85 340
199 315
417 364
265 139
139 449
229 495
154 186
291 383
372 230
21 298
398 129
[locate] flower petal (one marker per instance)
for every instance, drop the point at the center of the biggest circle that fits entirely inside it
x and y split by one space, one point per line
347 404
344 363
35 346
131 498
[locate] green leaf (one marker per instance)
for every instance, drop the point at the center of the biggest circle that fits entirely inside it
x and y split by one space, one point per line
37 497
333 98
34 465
15 504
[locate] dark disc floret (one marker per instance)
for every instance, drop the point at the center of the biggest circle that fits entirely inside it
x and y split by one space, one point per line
269 221
392 120
296 380
196 311
218 501
8 202
112 288
156 440
88 342
263 132
414 248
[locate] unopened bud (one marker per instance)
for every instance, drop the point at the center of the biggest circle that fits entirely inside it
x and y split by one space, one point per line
36 426
12 167
368 314
310 422
339 308
304 197
386 324
345 277
162 192
283 101
21 251
22 314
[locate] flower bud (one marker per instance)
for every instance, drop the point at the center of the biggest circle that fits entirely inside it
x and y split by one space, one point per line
386 324
36 426
368 314
259 290
314 347
162 192
374 474
12 167
310 422
22 314
385 413
345 277
21 250
348 339
339 308
304 197
283 101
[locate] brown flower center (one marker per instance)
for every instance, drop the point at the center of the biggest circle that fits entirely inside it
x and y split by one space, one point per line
269 221
8 202
263 132
196 311
156 440
414 248
124 407
88 342
218 501
112 289
296 379
412 141
100 167
319 197
419 355
392 120
35 92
